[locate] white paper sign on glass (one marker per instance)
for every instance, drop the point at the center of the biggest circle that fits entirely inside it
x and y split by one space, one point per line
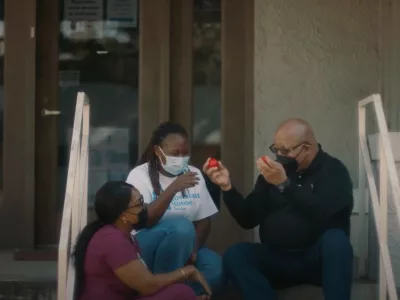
83 10
122 11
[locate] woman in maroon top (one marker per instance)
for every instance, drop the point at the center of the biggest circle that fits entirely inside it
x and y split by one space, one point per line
107 258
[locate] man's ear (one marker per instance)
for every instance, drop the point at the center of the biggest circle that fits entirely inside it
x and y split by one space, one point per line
307 146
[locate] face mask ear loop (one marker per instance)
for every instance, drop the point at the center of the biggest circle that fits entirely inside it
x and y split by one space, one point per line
162 154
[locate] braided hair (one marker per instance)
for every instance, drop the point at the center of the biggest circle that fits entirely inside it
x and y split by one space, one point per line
150 157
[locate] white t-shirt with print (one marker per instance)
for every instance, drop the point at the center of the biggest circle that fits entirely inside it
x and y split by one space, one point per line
196 205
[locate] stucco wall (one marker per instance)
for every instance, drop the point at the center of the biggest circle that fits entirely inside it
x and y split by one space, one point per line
315 60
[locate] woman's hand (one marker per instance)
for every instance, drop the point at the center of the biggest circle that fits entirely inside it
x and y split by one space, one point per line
194 275
184 181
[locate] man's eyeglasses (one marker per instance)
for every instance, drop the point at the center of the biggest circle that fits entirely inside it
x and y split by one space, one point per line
284 151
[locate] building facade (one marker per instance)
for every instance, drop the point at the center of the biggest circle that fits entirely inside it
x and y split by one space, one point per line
228 70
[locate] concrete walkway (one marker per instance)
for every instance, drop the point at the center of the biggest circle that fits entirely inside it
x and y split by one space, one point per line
30 280
26 271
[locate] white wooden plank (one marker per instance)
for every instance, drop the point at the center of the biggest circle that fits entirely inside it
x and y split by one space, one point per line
379 203
384 250
85 162
75 219
69 294
364 102
363 240
383 202
63 247
75 227
393 176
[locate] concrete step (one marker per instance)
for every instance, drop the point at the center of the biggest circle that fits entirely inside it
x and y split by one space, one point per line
361 291
28 290
27 280
47 291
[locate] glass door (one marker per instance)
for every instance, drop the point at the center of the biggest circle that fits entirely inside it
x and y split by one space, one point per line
93 49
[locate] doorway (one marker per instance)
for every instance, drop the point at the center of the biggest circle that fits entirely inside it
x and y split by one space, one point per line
92 48
96 49
59 55
177 47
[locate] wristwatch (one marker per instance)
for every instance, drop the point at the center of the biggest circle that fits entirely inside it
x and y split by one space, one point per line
282 186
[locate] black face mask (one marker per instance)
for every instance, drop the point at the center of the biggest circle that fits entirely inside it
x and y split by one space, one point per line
142 217
290 164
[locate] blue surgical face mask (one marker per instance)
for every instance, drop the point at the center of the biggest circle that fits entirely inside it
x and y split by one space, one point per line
175 165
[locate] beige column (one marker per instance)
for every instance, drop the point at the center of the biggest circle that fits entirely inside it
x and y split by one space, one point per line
181 65
46 135
237 110
154 70
17 205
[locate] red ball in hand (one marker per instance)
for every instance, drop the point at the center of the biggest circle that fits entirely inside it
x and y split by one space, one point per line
264 158
212 163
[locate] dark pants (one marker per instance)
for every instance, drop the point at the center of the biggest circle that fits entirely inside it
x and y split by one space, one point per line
167 246
256 269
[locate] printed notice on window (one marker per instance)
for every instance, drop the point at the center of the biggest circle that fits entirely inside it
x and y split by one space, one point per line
122 11
83 10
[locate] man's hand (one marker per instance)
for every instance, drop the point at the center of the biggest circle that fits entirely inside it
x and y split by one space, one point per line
218 175
272 171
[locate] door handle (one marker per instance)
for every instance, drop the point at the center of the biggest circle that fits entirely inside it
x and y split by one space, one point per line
46 112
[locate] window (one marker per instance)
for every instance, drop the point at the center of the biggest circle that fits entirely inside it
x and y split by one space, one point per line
207 72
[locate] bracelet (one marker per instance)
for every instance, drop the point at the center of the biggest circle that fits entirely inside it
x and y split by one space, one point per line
183 273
